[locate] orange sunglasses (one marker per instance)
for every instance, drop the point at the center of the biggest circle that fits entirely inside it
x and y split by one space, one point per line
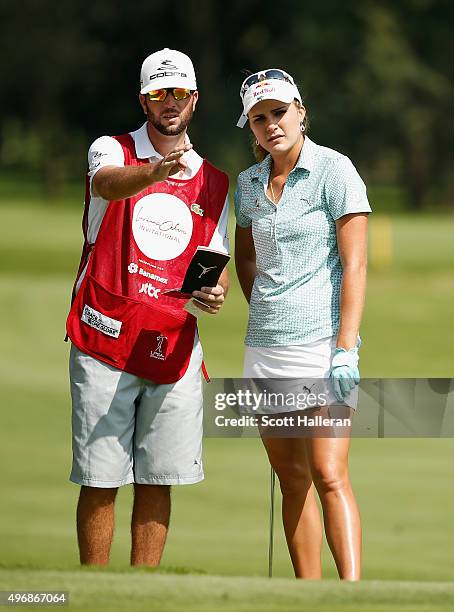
159 95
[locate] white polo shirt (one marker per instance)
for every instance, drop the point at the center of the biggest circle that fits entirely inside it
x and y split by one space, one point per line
106 151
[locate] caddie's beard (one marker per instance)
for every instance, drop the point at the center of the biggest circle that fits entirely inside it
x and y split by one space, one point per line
172 130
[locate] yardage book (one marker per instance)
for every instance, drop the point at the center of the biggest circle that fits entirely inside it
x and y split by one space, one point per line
203 271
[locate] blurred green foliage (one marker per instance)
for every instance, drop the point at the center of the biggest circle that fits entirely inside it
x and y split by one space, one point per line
377 79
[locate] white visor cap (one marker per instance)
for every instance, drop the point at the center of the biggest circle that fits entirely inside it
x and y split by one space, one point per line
167 68
270 89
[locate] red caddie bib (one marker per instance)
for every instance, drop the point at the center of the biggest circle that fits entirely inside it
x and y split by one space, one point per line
120 314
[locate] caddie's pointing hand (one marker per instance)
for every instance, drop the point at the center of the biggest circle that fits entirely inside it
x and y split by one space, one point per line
171 164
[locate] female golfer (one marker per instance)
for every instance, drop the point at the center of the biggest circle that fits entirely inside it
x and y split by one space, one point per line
301 249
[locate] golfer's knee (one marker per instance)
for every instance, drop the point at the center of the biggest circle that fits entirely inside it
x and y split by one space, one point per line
328 479
293 477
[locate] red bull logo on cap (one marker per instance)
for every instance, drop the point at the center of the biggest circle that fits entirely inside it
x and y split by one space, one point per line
264 89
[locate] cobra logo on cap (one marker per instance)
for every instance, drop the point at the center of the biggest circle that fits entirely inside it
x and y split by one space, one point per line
167 64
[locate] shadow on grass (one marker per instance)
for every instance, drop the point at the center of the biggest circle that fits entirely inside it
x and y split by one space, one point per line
110 569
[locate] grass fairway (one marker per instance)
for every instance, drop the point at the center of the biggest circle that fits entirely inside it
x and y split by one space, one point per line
219 528
142 590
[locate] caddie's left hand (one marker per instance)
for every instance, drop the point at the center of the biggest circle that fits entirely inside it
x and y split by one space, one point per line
212 298
344 372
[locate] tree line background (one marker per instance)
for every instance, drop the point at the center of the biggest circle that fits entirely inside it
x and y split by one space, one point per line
376 77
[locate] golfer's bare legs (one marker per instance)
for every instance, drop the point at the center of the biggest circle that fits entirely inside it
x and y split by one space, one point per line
328 458
300 513
150 521
95 524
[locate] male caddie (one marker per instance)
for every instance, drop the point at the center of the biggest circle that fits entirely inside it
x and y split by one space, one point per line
136 359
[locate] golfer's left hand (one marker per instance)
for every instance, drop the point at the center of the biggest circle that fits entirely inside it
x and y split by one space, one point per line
344 372
212 298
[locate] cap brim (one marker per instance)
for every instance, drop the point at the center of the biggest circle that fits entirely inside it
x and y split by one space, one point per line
243 117
272 89
241 121
164 82
282 97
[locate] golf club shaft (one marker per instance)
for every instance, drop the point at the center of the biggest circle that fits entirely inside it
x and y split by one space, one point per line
271 541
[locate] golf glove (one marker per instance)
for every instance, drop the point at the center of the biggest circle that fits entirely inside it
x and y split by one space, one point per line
344 373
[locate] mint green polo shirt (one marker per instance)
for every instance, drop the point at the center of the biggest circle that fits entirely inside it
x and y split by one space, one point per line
296 294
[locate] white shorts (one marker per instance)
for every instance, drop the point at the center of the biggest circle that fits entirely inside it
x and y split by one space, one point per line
303 364
126 429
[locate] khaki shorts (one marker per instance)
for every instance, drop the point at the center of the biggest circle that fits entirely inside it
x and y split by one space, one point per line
126 429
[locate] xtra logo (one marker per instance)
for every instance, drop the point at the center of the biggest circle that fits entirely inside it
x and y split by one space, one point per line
149 290
196 208
132 268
